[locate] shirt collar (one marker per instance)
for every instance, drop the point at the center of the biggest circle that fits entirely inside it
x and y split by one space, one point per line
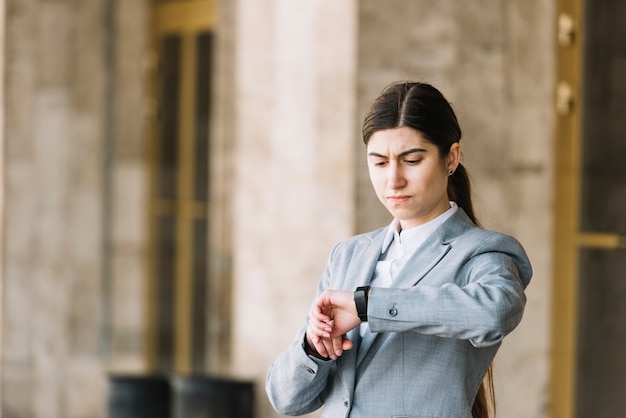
394 229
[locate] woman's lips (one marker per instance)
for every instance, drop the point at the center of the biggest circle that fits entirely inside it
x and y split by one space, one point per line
398 199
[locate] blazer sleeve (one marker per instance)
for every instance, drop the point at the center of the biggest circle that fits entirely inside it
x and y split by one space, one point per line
297 383
475 295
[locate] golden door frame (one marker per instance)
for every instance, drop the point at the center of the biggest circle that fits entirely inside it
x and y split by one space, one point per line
183 20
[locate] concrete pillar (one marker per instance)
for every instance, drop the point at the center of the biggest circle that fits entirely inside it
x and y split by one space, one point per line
53 214
126 287
294 175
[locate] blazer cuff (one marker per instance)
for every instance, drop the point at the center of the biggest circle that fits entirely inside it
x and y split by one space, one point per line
310 352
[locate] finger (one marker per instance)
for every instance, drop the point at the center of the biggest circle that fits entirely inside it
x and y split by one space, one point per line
329 348
327 326
337 346
316 343
320 348
318 315
321 316
321 305
319 329
346 343
319 334
324 325
321 326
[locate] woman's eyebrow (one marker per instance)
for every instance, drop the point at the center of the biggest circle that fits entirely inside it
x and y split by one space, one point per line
402 154
411 151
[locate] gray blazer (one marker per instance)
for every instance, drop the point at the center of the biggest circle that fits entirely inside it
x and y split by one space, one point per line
434 334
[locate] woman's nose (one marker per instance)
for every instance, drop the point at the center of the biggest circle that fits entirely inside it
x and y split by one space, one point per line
396 178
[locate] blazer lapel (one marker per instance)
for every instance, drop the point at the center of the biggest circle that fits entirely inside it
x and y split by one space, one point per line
432 250
366 255
425 258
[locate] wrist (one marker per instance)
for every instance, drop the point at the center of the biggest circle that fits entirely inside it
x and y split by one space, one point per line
361 300
310 350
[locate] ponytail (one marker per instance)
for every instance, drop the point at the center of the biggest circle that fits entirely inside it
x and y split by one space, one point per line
485 401
460 191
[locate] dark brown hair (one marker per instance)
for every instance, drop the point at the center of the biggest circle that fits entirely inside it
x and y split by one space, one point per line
422 107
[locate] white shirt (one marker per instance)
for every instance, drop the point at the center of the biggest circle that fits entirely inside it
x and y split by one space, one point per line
398 247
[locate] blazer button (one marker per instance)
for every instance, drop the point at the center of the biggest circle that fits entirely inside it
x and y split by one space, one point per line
393 312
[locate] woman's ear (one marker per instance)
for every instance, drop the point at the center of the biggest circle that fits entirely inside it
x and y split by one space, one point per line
454 156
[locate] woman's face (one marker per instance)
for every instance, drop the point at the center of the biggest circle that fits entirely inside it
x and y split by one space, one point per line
409 176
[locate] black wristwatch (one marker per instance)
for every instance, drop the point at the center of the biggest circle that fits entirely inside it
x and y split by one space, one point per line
360 300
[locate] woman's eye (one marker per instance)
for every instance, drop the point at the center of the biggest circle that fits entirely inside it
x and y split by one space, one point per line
412 162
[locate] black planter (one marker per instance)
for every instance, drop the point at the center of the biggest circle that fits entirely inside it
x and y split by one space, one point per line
139 397
211 397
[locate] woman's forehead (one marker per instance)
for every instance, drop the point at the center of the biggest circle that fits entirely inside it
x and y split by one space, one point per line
398 139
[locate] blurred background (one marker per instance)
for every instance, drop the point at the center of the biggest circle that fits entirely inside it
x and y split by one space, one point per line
175 173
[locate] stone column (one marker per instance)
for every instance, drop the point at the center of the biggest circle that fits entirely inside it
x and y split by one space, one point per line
53 214
294 177
125 285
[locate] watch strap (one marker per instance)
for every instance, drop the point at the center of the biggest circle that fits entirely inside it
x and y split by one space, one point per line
361 295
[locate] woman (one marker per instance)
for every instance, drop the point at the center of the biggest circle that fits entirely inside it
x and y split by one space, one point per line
408 318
